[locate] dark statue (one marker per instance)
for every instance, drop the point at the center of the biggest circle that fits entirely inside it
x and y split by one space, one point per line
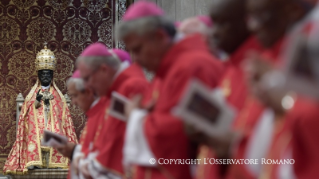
45 77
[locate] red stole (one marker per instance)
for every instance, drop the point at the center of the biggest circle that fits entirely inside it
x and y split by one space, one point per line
151 96
110 139
248 117
189 58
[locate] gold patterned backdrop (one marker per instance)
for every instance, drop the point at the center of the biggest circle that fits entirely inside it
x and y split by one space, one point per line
68 26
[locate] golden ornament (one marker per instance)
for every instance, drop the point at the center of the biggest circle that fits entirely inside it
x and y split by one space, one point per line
45 60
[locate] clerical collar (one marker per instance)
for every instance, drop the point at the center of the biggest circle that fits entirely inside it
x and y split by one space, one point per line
45 87
122 67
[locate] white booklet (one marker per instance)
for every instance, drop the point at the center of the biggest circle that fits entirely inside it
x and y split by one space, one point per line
207 110
117 107
54 140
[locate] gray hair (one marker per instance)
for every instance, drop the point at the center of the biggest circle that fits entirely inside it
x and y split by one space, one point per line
145 25
78 82
95 62
194 25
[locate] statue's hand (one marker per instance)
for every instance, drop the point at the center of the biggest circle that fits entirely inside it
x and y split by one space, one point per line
39 96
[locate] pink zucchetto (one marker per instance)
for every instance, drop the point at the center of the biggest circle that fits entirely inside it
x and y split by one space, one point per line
96 50
76 74
123 55
206 20
142 9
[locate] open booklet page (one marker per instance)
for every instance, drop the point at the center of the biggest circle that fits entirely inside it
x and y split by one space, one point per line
207 110
52 139
117 108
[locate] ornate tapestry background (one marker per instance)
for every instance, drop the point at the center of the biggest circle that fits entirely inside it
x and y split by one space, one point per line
68 26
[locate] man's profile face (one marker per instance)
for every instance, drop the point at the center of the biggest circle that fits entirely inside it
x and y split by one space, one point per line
268 20
45 77
82 99
229 25
145 49
98 79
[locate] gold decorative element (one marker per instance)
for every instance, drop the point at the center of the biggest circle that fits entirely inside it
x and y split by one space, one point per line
77 31
23 4
20 65
7 101
45 59
60 5
31 147
41 30
46 95
64 67
9 29
155 95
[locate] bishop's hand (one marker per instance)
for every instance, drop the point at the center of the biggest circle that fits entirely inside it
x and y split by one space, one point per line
221 145
39 96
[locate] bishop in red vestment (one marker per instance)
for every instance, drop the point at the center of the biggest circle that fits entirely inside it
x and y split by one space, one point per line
175 61
295 140
105 156
109 144
270 134
88 102
235 41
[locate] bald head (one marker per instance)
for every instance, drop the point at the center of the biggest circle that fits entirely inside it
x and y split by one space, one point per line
193 25
271 19
230 30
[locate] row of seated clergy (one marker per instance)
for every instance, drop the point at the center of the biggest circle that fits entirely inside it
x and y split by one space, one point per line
20 101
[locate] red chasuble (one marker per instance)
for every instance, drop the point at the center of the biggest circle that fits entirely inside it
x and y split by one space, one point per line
235 91
189 58
111 135
94 118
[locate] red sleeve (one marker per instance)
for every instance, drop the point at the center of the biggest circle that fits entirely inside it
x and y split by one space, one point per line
135 86
305 142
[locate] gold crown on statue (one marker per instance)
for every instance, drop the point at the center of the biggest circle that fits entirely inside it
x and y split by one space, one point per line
45 59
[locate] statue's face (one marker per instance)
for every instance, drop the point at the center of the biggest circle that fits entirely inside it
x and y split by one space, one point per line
45 77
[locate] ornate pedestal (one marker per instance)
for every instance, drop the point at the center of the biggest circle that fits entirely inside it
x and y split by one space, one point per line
41 174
